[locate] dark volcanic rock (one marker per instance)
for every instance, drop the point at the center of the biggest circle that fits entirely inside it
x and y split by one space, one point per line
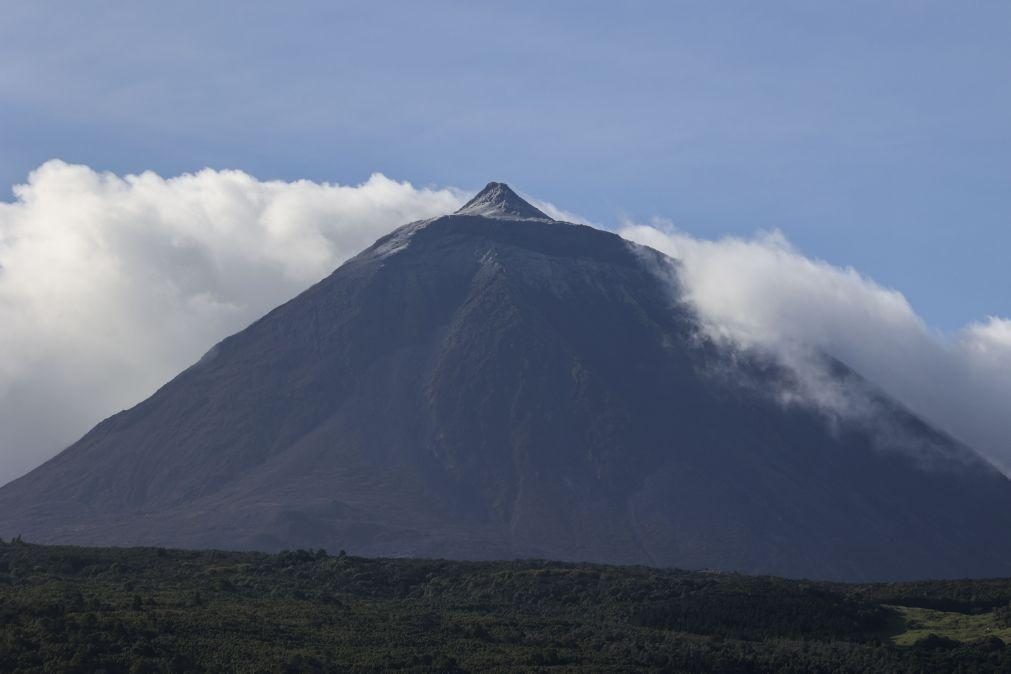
495 384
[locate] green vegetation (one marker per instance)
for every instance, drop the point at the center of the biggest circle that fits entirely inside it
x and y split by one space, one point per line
920 623
152 610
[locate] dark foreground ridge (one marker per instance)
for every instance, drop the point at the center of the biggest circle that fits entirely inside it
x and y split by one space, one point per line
494 384
155 610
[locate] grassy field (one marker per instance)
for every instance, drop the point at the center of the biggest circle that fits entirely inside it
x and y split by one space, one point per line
919 623
153 610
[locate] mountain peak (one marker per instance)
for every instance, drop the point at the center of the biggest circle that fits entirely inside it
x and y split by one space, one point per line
497 200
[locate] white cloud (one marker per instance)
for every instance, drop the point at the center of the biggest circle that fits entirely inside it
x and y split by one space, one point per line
762 293
554 212
111 285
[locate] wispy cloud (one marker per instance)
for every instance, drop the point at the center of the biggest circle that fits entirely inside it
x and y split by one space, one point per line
110 285
762 293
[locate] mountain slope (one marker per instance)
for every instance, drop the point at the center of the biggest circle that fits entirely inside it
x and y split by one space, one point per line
494 384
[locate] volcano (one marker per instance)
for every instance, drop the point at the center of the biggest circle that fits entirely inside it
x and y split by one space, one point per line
495 384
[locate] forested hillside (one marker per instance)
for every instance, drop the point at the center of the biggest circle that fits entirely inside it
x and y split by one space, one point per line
156 610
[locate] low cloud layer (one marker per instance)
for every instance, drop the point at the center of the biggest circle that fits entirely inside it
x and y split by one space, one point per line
111 285
762 293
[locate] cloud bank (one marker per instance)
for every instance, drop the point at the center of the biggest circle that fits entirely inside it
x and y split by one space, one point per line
110 285
762 293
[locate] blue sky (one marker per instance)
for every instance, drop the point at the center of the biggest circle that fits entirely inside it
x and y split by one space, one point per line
873 134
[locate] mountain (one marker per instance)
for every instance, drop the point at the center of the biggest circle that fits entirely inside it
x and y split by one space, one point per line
497 384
